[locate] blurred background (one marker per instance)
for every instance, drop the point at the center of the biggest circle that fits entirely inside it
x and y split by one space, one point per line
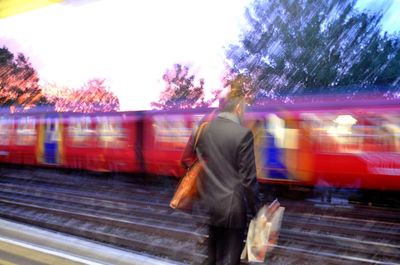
98 99
181 54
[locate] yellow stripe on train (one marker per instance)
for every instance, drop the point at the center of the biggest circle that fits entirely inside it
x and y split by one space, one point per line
40 144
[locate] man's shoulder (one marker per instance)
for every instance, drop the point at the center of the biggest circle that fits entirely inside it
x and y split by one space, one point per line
231 127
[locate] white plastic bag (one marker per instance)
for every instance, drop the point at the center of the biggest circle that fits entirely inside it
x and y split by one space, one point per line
263 232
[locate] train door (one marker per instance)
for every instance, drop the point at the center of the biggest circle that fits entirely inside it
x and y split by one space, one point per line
51 142
275 148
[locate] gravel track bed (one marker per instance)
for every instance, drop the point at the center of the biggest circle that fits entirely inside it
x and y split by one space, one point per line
133 213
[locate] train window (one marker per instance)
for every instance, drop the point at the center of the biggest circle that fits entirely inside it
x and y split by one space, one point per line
5 130
171 131
110 132
26 131
52 130
80 132
392 129
335 133
380 134
354 133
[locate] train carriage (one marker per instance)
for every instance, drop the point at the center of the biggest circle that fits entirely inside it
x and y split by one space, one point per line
356 149
353 144
98 142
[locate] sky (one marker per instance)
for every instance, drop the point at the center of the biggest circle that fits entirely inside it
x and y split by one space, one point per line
131 43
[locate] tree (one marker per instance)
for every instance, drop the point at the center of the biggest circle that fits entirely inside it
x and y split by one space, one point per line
312 46
181 90
94 96
239 85
19 82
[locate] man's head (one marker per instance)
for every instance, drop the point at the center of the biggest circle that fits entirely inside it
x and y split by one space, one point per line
235 105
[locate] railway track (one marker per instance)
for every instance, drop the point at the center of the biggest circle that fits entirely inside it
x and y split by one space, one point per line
136 222
134 214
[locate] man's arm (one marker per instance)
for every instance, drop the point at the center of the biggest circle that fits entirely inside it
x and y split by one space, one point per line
247 170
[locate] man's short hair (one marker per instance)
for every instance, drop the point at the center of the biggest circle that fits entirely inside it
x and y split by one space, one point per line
229 103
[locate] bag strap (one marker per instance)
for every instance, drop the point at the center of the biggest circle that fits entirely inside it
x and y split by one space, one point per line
199 133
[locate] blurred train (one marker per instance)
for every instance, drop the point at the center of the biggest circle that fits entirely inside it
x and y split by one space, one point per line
352 144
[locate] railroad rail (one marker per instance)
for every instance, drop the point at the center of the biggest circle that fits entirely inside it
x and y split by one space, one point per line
134 214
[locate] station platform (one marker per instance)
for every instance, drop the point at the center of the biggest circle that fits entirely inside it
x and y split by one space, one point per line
27 245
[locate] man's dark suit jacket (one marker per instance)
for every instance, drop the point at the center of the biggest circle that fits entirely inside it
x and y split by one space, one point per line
229 188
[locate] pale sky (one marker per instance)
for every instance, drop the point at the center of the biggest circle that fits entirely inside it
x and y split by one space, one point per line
128 42
131 42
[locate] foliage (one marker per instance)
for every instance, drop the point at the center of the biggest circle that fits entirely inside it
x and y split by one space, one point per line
181 90
19 86
312 46
94 96
239 85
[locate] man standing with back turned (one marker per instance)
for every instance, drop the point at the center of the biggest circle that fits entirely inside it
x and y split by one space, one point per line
228 188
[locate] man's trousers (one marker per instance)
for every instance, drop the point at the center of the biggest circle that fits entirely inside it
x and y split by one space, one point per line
225 245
